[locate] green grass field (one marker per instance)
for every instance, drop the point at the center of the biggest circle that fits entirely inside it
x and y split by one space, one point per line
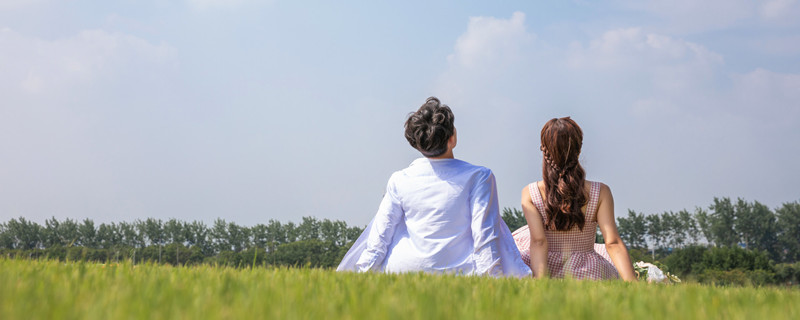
58 290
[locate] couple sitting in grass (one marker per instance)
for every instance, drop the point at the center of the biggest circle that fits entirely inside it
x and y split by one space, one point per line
441 215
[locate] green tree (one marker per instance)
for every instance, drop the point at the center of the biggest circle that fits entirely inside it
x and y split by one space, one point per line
25 234
174 231
674 229
744 223
721 223
332 231
178 254
110 238
514 218
686 261
689 225
734 257
789 230
153 230
308 229
130 238
260 235
239 237
292 232
757 227
219 236
276 232
87 234
313 253
198 236
50 237
68 232
633 229
352 234
176 236
341 232
656 230
703 224
6 239
107 236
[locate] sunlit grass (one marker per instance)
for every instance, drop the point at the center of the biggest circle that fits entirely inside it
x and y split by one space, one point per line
57 290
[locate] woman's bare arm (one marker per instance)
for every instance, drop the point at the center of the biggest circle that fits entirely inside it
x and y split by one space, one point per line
608 226
538 240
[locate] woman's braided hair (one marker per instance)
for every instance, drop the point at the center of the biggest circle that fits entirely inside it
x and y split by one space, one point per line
563 175
560 169
430 127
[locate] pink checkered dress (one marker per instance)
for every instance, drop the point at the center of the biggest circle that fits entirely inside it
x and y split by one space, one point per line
571 253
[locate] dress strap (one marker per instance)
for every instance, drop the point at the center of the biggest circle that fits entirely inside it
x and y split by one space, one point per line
536 198
594 200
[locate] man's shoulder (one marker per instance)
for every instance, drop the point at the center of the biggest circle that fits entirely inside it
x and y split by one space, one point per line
473 167
479 173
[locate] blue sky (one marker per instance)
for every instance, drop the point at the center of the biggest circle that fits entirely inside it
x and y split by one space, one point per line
254 110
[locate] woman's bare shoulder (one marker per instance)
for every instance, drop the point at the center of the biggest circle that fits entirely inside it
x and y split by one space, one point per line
526 192
605 190
603 186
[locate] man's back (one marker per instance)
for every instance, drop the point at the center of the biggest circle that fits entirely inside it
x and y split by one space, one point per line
439 214
435 199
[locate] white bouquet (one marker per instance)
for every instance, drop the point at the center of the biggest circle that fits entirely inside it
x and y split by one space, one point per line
646 270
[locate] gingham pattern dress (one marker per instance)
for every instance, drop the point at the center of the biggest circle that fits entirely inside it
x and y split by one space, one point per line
571 253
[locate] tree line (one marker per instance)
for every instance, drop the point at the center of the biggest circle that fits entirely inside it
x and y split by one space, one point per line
749 225
729 242
310 242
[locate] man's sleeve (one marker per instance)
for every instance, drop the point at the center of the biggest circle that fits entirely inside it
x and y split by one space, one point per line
383 227
485 215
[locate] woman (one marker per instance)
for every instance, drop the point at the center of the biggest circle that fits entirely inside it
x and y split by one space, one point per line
439 215
564 210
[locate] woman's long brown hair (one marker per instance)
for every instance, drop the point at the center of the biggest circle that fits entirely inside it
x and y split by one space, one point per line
563 175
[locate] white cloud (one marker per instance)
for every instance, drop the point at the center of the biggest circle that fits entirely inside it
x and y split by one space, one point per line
662 115
742 28
71 112
777 45
768 96
210 4
35 65
489 41
14 4
195 4
635 58
633 45
688 16
490 48
780 10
